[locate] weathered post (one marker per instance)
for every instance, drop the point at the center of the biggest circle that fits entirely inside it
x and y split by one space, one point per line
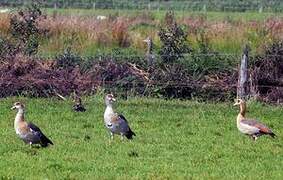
204 8
242 88
260 9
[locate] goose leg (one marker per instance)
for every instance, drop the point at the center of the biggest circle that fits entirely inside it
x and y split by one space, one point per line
111 136
122 136
254 137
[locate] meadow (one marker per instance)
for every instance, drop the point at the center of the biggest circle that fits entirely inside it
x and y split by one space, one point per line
124 30
159 14
175 140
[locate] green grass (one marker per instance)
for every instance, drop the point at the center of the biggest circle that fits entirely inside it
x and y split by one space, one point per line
210 15
175 139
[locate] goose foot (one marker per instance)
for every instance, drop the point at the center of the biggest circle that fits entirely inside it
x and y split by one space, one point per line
254 137
122 137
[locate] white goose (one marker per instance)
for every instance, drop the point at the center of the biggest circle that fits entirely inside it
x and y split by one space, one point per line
250 127
116 123
28 132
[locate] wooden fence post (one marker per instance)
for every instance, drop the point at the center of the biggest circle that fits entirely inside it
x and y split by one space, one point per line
260 9
204 8
242 88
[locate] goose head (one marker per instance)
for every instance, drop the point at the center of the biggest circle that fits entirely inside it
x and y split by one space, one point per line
147 40
109 99
18 106
239 102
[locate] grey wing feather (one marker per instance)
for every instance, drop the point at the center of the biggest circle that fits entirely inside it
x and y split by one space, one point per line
35 129
123 123
38 133
33 135
121 117
250 122
257 124
126 128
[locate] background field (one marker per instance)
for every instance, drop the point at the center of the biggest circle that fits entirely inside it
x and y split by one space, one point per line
79 29
185 5
175 139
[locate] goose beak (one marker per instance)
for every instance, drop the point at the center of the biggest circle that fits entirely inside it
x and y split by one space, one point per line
113 99
14 107
236 103
146 40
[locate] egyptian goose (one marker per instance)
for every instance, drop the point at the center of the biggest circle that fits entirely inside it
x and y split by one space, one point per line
149 54
116 123
250 127
28 132
78 106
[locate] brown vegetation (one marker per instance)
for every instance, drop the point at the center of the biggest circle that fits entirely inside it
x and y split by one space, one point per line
201 75
267 73
34 77
123 31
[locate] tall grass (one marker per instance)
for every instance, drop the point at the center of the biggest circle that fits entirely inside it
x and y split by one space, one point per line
226 32
4 23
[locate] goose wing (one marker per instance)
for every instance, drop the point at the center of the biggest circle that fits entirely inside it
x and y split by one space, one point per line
44 141
254 123
36 132
125 127
121 122
79 108
34 128
122 118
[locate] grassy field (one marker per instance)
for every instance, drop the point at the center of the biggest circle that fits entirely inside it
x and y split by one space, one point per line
175 139
215 16
256 29
224 32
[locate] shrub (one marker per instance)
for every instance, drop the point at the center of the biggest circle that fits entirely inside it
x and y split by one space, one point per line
25 30
173 39
6 48
267 73
68 59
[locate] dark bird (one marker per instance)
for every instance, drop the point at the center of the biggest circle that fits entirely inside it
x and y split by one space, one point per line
250 127
116 123
78 106
28 132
